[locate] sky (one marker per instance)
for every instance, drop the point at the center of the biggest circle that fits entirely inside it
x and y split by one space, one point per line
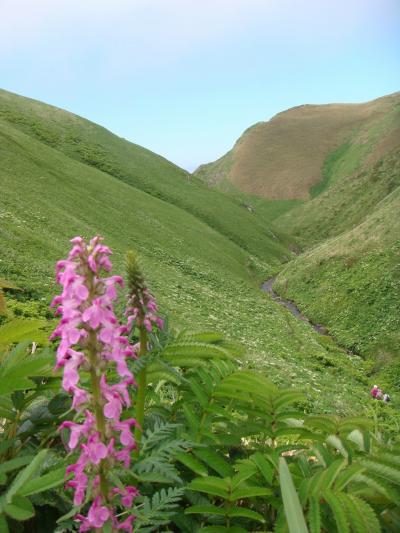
185 78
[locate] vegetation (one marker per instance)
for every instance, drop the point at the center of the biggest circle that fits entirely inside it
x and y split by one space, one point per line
350 282
223 449
202 277
277 433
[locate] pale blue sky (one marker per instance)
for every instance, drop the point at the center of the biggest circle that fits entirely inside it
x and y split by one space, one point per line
185 77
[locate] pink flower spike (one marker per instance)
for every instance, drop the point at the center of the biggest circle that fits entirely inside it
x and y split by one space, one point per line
91 340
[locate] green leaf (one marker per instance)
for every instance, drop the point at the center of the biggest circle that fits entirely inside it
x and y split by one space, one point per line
20 508
205 509
345 477
199 392
24 476
215 461
264 466
361 516
9 384
223 529
42 483
338 511
190 462
382 470
291 503
211 485
13 464
337 443
3 524
70 514
246 470
285 398
242 512
59 404
191 418
332 472
248 492
314 516
214 529
358 438
378 485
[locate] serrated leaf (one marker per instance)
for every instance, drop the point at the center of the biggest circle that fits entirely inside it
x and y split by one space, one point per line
338 511
191 462
205 509
331 473
242 512
264 466
348 475
214 460
213 486
249 492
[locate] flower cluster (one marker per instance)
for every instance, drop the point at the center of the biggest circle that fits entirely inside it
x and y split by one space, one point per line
92 341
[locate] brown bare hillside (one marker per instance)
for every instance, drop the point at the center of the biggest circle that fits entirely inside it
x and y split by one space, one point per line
284 157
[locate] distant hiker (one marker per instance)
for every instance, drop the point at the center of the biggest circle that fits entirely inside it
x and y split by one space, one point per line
376 393
386 398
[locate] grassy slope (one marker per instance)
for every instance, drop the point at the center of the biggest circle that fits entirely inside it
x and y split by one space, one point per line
284 157
351 281
199 275
345 203
95 146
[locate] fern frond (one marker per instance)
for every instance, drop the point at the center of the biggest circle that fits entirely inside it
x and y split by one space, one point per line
158 510
160 432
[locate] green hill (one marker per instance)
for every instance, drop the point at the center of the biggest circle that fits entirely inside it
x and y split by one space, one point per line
96 147
204 251
304 149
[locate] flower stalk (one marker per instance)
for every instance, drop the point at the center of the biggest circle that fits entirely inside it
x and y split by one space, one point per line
94 343
142 314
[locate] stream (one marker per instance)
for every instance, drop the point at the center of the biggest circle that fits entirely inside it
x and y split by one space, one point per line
267 287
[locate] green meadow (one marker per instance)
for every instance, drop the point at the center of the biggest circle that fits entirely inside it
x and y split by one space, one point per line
205 252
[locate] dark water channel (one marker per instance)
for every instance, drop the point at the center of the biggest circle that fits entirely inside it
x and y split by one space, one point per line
267 287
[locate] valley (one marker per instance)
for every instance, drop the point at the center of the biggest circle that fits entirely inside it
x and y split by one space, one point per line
207 247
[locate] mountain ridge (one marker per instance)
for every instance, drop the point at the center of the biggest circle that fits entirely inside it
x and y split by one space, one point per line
283 158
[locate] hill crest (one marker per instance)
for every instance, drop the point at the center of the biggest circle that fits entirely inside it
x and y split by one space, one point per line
284 157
